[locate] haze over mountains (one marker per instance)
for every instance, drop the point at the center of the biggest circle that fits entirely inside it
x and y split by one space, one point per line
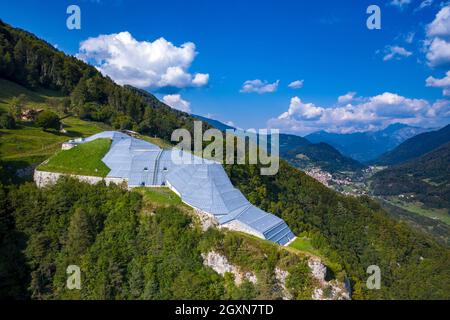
367 146
415 147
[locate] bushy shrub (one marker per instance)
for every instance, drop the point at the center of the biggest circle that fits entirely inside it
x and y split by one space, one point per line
48 120
7 121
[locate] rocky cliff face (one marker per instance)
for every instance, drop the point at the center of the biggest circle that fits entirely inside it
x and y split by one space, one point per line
221 265
324 290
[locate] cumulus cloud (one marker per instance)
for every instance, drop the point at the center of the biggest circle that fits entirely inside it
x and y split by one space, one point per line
396 52
258 86
144 64
175 101
438 53
302 111
443 83
440 27
346 98
437 44
297 84
363 114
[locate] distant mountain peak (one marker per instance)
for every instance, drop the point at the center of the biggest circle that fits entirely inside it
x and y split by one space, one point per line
415 146
368 145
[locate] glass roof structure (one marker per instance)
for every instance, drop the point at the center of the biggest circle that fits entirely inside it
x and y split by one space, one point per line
202 184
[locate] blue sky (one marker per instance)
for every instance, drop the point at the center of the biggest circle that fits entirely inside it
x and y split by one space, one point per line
326 44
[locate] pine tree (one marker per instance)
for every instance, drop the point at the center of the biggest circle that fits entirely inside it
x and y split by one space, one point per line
79 236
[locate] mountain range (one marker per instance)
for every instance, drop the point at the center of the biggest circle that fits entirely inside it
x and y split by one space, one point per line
304 154
367 146
415 147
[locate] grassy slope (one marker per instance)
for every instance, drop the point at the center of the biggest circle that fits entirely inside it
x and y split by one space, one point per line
434 227
28 145
85 159
419 208
163 196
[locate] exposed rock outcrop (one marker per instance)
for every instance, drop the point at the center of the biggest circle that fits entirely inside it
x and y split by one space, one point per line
319 271
206 220
221 265
326 290
281 276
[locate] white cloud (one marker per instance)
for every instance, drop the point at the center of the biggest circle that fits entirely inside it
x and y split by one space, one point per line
200 79
400 3
259 86
440 27
297 84
424 4
437 44
395 52
346 98
438 53
302 111
175 101
443 83
365 114
143 64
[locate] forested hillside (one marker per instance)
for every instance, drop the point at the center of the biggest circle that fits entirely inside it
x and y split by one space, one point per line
128 246
416 147
427 177
355 232
302 154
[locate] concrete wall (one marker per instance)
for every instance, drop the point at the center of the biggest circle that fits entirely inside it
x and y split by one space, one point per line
44 178
238 226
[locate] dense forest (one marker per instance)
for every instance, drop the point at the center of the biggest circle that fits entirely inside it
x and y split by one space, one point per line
125 250
356 232
427 177
129 258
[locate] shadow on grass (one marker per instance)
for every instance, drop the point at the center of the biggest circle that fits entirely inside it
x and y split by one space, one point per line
19 171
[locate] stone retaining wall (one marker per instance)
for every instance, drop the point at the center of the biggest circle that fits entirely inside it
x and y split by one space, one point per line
45 178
